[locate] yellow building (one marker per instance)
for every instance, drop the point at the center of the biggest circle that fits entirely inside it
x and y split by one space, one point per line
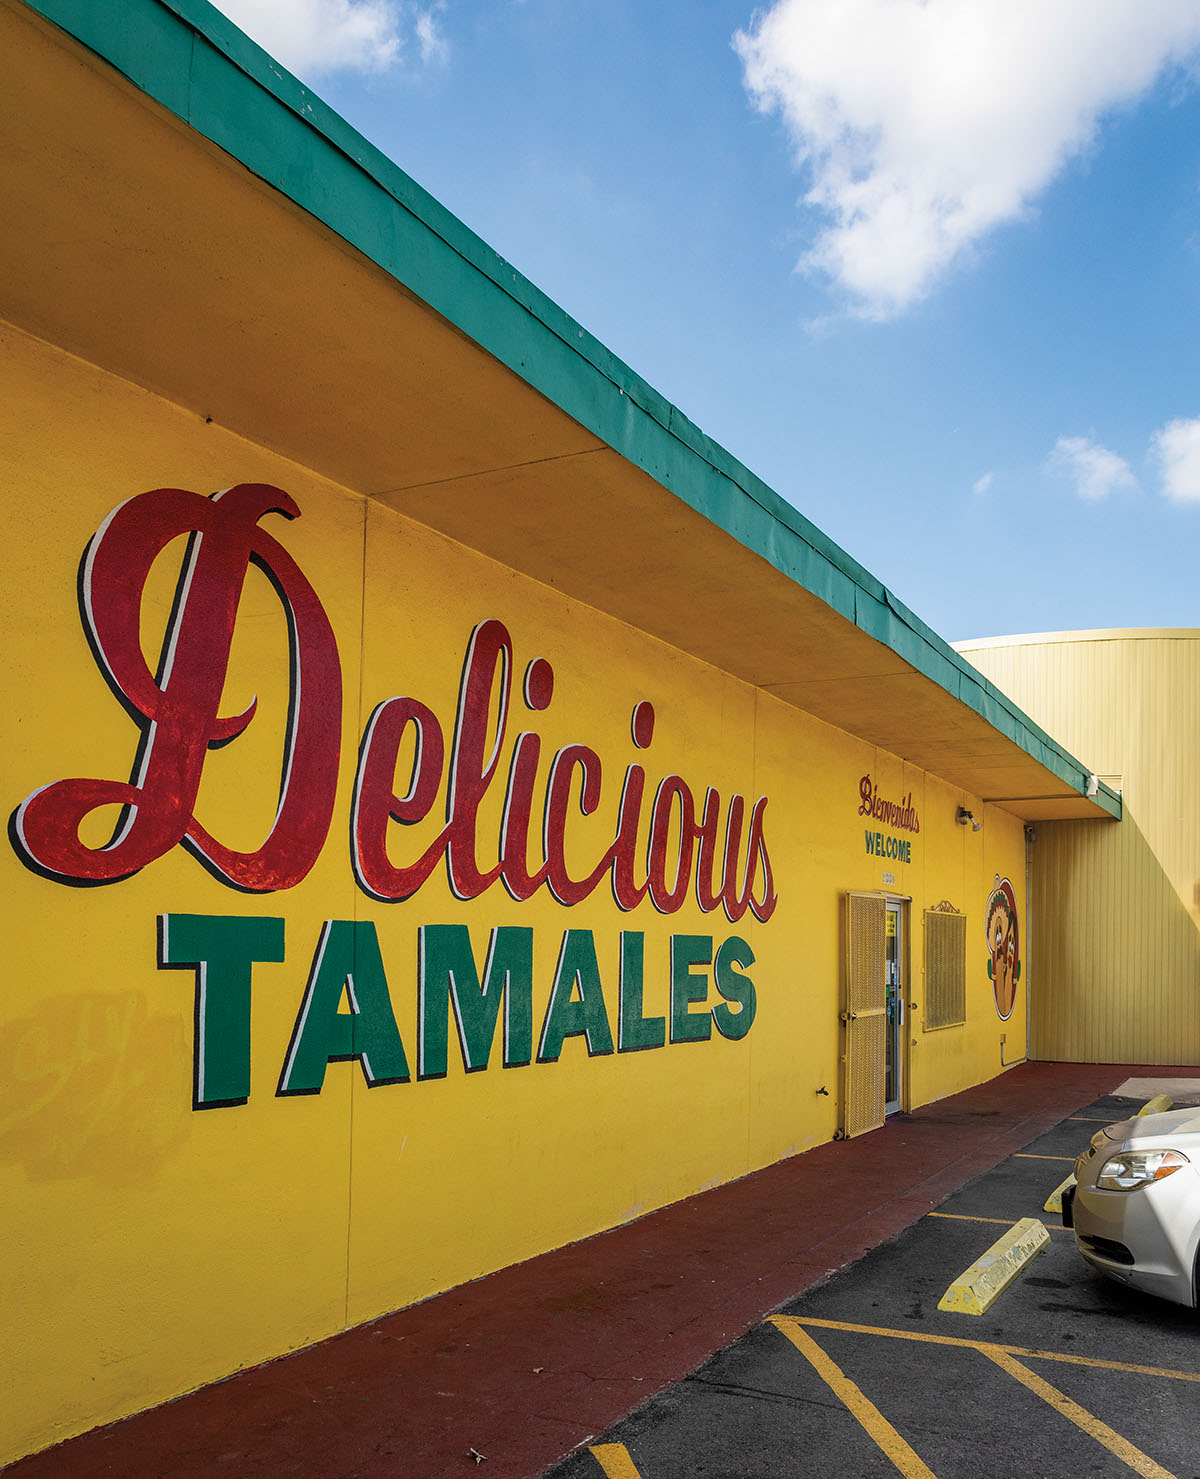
1115 951
440 779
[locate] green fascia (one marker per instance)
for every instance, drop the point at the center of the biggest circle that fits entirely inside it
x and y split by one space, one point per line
194 61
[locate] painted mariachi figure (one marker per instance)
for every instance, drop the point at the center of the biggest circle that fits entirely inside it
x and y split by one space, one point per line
1004 946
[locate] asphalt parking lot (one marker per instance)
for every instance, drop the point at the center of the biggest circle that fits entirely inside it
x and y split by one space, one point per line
1066 1374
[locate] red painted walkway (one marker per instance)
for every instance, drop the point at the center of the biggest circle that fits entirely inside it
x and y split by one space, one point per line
524 1365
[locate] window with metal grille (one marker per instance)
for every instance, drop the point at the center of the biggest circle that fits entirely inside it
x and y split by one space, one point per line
945 968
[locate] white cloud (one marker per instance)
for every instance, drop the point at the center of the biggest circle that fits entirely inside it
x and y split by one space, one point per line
1095 471
434 46
1178 449
311 37
927 123
981 485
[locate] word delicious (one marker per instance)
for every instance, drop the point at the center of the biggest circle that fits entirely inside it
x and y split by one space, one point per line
902 814
662 848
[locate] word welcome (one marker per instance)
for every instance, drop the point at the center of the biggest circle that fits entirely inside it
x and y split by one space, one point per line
879 846
902 814
665 843
348 967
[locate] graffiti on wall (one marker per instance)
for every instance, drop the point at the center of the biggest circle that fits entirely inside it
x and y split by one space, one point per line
1004 945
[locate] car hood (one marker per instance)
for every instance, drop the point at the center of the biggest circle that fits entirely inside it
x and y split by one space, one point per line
1174 1123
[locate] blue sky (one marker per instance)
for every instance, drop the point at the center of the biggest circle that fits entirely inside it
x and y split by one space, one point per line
929 268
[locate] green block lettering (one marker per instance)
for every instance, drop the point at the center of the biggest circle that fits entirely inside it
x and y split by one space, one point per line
734 987
635 1031
347 962
569 1017
687 951
221 949
447 977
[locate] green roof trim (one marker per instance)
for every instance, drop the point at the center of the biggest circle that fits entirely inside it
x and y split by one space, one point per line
194 61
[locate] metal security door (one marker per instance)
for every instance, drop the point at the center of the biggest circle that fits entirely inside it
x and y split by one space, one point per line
864 1013
893 984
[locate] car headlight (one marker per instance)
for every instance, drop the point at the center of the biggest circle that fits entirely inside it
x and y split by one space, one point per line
1136 1168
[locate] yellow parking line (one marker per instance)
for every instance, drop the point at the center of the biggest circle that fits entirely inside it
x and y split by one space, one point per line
1133 1457
1000 1221
876 1425
614 1459
1021 1155
987 1346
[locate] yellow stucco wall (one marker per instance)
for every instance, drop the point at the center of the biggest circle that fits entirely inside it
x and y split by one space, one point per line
1115 952
151 1246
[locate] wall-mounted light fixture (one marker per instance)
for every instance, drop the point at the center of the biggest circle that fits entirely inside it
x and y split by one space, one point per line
1093 786
965 816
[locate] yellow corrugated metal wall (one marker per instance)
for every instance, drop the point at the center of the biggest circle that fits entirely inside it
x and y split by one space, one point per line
1114 942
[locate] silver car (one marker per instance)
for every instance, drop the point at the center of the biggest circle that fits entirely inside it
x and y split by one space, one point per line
1136 1206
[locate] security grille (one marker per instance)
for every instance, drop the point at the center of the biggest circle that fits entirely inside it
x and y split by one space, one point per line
945 969
864 1014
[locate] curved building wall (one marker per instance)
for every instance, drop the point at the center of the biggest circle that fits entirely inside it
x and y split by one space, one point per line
1115 908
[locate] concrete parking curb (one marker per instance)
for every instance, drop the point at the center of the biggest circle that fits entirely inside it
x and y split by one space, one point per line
1053 1202
978 1288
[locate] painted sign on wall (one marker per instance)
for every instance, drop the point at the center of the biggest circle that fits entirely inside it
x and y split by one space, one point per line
663 848
451 985
666 843
1004 945
902 815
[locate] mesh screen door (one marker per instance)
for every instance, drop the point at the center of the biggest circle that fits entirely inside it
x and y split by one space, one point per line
864 1014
